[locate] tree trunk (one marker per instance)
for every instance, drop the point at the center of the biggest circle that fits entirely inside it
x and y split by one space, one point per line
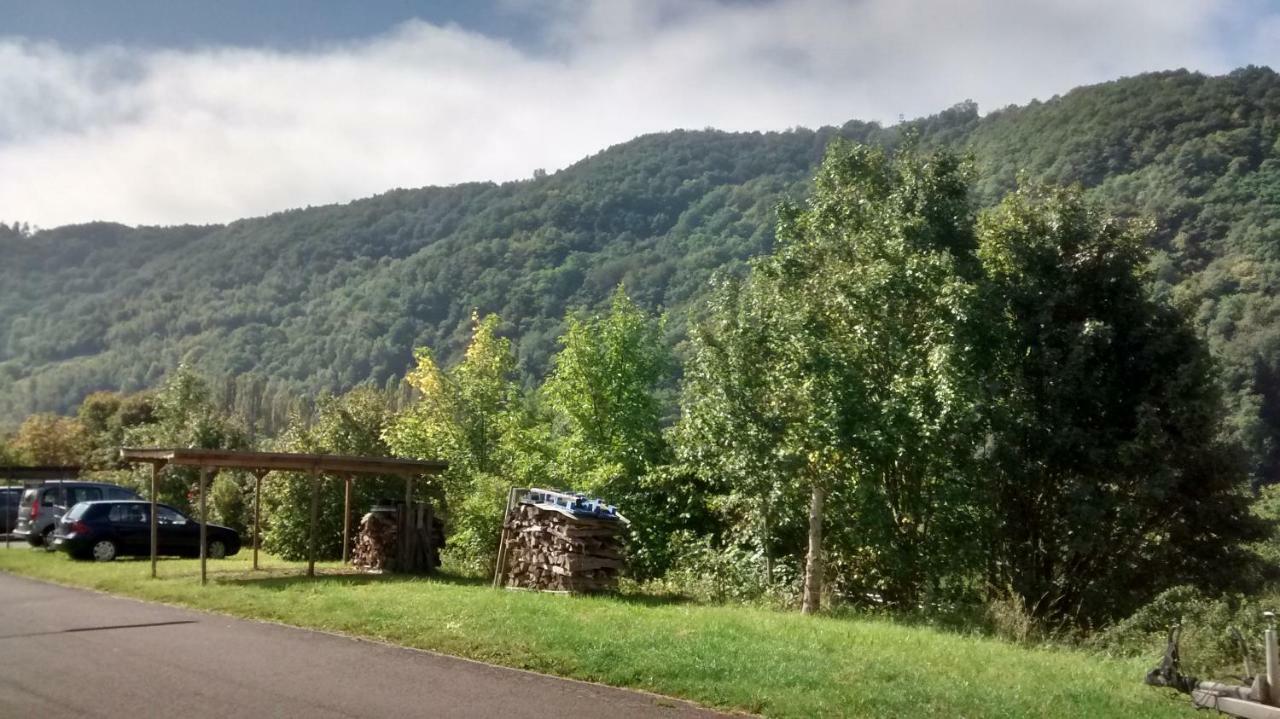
766 543
813 563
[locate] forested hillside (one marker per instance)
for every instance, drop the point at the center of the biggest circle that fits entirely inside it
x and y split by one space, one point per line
325 298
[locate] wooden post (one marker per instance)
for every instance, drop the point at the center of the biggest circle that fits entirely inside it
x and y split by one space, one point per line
257 513
501 568
204 524
155 470
405 560
346 520
315 516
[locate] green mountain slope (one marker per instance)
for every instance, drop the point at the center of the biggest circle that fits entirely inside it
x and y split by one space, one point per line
324 298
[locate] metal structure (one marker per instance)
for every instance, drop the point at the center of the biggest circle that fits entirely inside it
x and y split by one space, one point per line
259 464
1256 697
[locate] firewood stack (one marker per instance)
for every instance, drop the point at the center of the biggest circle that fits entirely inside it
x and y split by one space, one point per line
549 549
376 544
391 539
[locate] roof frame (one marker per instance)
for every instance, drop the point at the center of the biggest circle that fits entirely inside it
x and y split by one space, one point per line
209 461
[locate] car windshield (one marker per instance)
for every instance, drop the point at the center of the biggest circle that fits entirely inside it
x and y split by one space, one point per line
76 512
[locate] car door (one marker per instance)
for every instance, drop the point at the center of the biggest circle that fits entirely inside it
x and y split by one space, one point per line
131 528
176 534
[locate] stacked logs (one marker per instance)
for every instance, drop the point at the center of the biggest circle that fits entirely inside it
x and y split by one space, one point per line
387 533
375 547
550 551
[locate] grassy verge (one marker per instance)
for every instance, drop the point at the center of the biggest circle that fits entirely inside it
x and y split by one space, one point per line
777 664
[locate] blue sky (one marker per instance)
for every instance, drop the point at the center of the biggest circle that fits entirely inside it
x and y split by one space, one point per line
173 111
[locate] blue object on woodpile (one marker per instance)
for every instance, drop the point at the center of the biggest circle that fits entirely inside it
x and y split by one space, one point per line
579 505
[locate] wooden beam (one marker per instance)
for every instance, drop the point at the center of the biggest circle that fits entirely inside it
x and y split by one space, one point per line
346 520
257 514
286 461
315 516
1233 706
155 472
500 568
204 523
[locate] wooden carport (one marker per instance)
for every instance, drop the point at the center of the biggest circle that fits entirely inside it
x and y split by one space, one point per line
259 464
40 473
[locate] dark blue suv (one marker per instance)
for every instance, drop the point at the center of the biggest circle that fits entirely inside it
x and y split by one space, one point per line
105 530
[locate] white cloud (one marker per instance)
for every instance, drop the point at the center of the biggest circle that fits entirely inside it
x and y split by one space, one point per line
213 134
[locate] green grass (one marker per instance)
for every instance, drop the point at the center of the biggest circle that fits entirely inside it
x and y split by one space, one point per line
774 663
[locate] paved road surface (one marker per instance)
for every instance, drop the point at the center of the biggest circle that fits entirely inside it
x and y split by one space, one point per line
72 653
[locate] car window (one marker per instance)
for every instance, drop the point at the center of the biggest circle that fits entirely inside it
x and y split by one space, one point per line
29 497
119 493
76 512
83 494
51 497
128 514
165 515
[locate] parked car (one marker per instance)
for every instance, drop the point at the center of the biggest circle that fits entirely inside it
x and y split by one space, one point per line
10 497
41 507
104 530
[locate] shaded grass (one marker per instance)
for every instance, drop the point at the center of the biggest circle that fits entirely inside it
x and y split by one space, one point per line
774 663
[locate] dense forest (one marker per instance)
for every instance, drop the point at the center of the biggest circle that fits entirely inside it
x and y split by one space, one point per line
326 298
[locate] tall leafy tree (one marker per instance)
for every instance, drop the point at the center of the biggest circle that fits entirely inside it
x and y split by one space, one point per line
350 424
731 427
473 416
1110 478
867 356
606 422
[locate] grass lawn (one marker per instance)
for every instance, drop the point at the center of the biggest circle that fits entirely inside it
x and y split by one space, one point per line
777 664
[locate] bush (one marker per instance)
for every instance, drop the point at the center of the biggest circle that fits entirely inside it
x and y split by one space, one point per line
1208 647
709 574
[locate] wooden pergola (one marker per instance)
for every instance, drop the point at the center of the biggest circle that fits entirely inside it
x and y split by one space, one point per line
260 464
40 473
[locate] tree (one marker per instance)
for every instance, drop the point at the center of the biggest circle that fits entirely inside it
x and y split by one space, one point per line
1109 475
184 416
730 428
51 439
867 359
606 422
473 416
351 424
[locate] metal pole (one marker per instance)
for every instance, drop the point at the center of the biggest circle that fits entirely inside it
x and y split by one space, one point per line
155 471
8 499
257 514
346 521
204 524
315 514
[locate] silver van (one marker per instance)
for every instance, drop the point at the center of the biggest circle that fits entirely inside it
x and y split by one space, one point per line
41 507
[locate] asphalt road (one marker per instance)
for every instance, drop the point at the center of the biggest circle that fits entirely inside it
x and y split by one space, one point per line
73 653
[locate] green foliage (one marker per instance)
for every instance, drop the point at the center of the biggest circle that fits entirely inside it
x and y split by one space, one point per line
842 367
1106 420
471 415
51 440
351 424
329 297
606 428
180 415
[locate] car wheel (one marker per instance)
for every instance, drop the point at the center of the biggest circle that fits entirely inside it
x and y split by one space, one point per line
46 539
104 551
217 550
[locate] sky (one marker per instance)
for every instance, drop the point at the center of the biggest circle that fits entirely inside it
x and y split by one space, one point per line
192 111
